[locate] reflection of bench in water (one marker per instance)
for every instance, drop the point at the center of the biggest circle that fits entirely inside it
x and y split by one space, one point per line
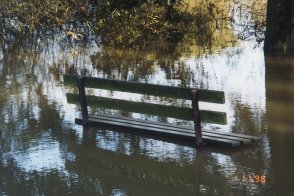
185 113
119 167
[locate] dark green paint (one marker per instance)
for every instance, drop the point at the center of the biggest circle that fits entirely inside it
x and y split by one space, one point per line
150 89
151 109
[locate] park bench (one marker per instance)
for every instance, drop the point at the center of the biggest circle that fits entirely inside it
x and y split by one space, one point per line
165 129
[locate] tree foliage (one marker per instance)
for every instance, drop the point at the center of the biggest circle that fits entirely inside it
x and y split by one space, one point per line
136 23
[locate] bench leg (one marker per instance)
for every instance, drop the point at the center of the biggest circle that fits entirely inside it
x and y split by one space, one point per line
83 100
196 117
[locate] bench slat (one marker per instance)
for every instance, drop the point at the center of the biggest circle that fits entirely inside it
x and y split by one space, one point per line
164 131
149 108
166 126
149 89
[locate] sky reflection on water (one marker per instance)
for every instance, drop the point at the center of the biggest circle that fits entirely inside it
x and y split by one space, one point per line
39 134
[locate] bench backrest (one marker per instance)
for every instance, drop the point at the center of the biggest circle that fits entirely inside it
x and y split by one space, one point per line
183 113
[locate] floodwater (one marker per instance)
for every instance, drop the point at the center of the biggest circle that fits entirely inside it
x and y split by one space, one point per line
44 152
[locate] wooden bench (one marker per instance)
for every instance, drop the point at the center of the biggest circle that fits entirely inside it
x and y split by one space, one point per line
183 132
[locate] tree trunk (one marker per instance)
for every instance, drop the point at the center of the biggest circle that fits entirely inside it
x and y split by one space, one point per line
279 35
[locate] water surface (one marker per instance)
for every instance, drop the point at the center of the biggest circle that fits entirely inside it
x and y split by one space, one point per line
44 152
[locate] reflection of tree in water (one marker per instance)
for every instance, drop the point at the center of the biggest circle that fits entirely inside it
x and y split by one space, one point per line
89 168
139 65
26 120
95 168
99 171
26 112
144 174
54 182
279 117
118 63
246 119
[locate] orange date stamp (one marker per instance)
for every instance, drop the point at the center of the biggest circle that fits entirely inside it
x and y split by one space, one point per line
253 178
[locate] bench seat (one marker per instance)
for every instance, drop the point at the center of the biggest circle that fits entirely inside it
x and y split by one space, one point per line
170 130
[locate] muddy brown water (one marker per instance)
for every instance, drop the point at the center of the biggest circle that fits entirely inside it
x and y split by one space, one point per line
43 152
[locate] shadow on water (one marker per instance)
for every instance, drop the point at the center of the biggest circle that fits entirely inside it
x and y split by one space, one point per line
280 112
